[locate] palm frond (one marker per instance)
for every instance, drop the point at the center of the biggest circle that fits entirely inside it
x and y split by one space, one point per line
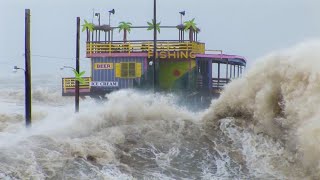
151 26
82 73
89 26
75 72
80 80
125 26
190 25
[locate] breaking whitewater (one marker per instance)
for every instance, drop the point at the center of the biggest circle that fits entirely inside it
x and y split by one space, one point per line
265 125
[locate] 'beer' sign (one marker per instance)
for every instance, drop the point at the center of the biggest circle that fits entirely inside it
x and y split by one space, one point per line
103 66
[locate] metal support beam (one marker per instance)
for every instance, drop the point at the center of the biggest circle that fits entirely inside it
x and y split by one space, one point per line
227 73
230 71
209 75
218 74
238 71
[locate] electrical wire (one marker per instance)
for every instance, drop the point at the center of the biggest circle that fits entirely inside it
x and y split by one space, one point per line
51 57
56 57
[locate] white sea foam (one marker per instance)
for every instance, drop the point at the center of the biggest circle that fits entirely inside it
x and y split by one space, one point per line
280 97
264 125
87 140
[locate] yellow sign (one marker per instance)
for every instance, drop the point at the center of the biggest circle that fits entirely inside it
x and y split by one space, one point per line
173 55
103 65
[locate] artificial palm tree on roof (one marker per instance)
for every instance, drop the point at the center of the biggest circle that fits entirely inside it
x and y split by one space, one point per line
126 27
89 27
151 26
191 26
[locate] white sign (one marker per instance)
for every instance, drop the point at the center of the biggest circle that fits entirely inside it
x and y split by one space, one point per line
104 84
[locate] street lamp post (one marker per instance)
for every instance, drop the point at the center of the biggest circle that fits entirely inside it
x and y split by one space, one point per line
98 15
67 67
181 30
77 69
182 13
110 12
76 88
16 68
27 96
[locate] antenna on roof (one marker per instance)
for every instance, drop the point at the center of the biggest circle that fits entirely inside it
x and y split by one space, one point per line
92 15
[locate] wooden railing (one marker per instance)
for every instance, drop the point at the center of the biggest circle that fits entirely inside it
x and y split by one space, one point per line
143 46
68 86
219 83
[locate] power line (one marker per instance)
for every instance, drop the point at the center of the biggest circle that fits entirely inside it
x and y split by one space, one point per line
51 57
38 55
54 57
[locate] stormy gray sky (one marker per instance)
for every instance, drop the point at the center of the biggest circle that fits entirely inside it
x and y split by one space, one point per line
250 28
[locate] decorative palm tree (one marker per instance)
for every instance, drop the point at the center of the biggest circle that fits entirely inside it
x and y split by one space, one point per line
89 27
151 26
78 76
191 26
126 27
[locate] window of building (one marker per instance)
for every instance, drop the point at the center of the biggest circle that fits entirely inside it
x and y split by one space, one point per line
132 70
128 70
124 69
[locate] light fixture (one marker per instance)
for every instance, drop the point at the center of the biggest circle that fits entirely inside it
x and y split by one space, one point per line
182 13
98 15
16 68
67 67
111 12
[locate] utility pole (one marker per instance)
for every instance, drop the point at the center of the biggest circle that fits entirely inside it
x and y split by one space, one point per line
27 69
154 45
77 91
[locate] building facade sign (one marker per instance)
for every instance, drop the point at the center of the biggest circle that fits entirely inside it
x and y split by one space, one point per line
104 84
173 55
98 66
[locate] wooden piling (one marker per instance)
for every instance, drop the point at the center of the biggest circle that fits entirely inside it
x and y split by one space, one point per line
155 63
27 69
77 93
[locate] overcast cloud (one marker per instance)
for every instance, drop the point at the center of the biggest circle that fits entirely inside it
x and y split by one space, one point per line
250 28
